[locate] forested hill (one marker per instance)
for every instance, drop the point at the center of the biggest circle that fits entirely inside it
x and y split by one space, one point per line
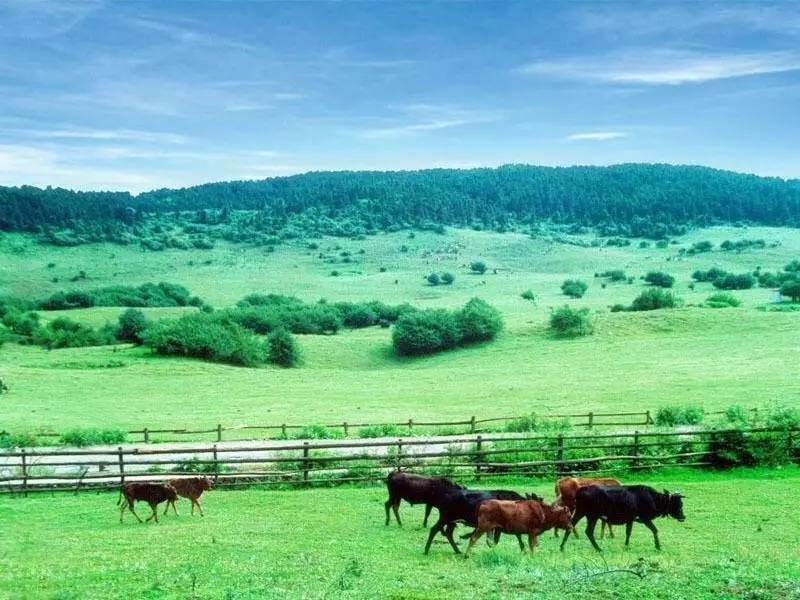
629 199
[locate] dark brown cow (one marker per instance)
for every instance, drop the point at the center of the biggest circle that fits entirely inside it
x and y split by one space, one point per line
567 489
416 489
191 488
518 517
152 493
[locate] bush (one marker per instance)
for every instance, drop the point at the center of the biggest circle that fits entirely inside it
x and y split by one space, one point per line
93 436
17 440
66 333
722 300
208 337
146 295
424 332
478 267
448 278
615 275
377 431
567 322
730 281
282 349
791 289
528 295
433 279
478 322
132 324
316 432
671 416
659 279
574 288
654 299
712 274
700 247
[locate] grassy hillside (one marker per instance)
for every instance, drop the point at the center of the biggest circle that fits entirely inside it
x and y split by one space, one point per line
709 357
251 544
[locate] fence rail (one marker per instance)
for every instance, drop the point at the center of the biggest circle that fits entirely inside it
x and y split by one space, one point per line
306 464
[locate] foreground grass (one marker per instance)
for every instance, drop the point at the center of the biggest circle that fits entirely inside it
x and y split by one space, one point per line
739 540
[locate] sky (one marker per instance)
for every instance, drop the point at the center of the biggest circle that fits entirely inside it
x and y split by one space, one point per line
96 94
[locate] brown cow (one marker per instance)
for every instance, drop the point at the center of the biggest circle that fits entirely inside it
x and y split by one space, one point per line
152 493
191 488
567 488
518 517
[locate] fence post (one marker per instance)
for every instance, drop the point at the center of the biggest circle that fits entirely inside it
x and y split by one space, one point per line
560 454
216 465
121 462
478 457
24 473
472 424
410 426
399 454
219 432
635 460
345 429
648 419
283 431
146 435
305 463
591 420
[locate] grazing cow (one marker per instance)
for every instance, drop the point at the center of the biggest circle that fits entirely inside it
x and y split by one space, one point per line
523 516
152 493
567 488
416 489
461 506
624 504
191 488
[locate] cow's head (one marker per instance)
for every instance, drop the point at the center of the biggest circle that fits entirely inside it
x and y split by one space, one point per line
533 496
675 506
561 517
205 483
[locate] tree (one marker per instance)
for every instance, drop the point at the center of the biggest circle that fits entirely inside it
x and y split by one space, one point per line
282 349
478 322
791 289
132 324
433 279
478 267
659 279
447 278
654 299
574 288
569 322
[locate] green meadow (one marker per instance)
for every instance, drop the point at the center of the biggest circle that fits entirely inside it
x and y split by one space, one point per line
635 361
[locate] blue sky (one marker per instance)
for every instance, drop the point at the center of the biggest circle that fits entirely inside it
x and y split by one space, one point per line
138 95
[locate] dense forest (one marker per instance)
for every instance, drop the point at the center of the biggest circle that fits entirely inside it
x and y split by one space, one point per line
649 200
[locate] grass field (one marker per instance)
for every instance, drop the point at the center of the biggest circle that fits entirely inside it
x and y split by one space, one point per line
708 357
324 543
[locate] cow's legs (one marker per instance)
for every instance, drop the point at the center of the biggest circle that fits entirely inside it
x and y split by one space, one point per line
590 525
521 543
532 541
200 508
172 504
628 529
652 527
428 508
154 515
575 518
610 530
476 535
437 527
129 507
448 533
386 505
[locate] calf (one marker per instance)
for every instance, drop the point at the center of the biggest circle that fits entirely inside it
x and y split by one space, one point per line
623 505
567 488
191 488
152 493
461 506
523 516
416 489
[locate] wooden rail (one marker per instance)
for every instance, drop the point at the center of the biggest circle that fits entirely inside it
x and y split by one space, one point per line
309 463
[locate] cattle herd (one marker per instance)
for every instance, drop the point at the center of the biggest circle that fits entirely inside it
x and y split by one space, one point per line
491 512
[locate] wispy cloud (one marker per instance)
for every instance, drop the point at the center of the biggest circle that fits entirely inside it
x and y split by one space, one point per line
595 136
420 118
247 107
665 67
190 36
130 135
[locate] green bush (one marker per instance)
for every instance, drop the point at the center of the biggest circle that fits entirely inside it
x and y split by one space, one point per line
791 289
66 333
93 436
659 279
146 295
316 432
433 279
574 288
447 278
384 430
567 322
424 332
654 299
132 324
17 440
478 322
671 416
730 281
722 300
282 349
528 295
533 422
478 267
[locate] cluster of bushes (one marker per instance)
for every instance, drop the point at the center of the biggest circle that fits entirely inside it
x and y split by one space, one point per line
478 267
145 295
419 332
567 322
723 280
574 288
654 298
93 436
700 247
615 275
659 279
740 245
443 279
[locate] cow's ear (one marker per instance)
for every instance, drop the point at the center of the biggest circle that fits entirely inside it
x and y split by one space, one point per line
666 492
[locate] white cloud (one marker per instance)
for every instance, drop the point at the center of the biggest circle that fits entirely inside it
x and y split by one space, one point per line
420 118
665 67
596 136
247 107
131 135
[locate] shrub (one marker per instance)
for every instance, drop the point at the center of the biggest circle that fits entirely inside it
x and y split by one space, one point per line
528 295
282 348
357 316
433 279
722 300
574 288
671 416
66 333
17 440
567 322
478 267
93 436
132 324
730 281
791 289
533 422
448 278
377 431
614 275
316 432
424 332
654 299
659 279
712 274
700 247
478 322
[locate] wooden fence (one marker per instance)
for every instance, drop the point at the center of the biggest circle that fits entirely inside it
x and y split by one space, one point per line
284 431
305 464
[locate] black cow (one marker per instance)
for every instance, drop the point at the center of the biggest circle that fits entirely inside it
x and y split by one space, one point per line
461 506
416 489
623 505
